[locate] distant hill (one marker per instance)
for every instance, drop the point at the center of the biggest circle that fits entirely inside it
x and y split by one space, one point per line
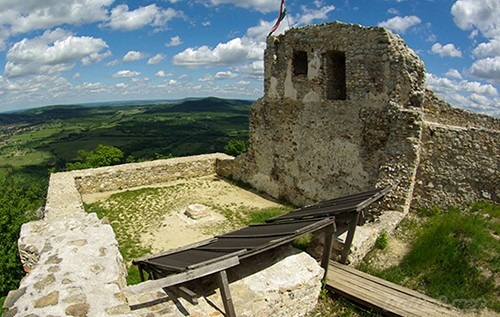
203 105
61 112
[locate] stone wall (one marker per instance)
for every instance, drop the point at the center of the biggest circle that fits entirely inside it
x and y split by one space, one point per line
459 158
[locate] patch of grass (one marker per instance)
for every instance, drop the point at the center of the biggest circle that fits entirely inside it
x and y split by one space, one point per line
454 258
302 242
262 215
382 241
331 305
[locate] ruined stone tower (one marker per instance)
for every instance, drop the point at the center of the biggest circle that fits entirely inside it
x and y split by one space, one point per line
345 109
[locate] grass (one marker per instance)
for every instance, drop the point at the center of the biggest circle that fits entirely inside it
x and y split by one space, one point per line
454 257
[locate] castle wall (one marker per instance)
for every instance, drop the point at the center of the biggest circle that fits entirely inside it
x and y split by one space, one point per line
459 158
309 144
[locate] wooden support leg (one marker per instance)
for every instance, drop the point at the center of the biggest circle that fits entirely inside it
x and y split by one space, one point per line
141 273
350 235
327 247
226 294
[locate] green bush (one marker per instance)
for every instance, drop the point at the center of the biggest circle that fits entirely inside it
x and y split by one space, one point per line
103 155
236 147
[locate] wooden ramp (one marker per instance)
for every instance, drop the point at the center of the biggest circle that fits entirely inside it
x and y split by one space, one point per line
386 297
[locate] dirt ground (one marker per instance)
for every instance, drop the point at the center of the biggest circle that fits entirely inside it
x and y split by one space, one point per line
171 228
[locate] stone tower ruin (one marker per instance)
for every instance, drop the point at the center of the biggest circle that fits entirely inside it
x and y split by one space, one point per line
345 109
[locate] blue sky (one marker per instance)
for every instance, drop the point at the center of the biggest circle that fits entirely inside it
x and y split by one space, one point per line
76 51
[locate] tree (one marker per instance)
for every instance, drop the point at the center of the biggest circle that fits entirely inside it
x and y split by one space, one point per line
103 155
17 204
236 147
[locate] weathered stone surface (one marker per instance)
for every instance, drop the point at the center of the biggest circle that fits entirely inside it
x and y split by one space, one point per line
77 310
47 300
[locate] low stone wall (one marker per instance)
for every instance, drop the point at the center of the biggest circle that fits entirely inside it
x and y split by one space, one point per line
140 174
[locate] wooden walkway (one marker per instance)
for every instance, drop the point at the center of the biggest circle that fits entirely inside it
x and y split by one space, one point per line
383 296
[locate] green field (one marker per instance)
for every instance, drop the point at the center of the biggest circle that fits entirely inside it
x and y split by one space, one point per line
53 135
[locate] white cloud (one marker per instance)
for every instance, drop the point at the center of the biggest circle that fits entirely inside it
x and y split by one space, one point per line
446 50
225 75
400 24
237 50
487 68
309 15
113 63
254 70
174 41
126 73
27 15
465 94
121 85
453 73
133 56
478 14
54 51
158 58
76 76
95 58
264 6
162 73
123 19
491 48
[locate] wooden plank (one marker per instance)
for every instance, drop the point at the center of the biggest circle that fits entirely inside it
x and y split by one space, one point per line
377 280
182 277
327 247
373 289
226 294
350 236
391 298
379 298
184 292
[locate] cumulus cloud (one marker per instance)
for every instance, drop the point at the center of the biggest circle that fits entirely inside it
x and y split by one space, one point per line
123 19
174 41
121 85
133 56
400 24
126 73
487 68
250 47
24 16
490 49
453 73
481 16
162 73
225 75
158 58
54 51
264 6
446 50
477 14
309 15
237 50
466 94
